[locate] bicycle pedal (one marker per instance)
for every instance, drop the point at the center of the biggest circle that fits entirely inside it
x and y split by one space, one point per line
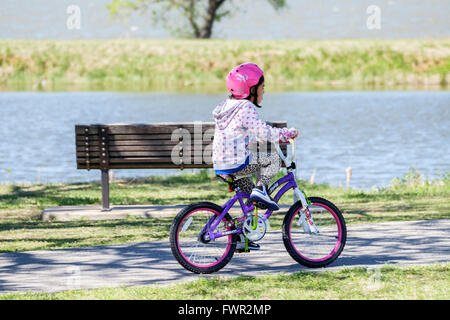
260 205
242 251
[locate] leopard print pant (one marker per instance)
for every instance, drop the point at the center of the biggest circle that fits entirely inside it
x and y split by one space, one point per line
264 165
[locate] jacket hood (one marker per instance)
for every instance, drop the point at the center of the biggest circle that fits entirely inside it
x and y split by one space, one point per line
226 111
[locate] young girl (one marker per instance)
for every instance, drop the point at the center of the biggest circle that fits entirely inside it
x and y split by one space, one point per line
239 127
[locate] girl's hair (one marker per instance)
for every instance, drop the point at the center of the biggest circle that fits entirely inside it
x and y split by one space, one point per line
261 80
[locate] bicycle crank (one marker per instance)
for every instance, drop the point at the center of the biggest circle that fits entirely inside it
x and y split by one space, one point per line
252 231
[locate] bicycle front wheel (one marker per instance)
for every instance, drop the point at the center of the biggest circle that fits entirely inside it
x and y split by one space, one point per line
315 249
188 244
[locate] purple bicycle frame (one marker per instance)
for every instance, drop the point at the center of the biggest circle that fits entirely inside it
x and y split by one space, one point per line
288 181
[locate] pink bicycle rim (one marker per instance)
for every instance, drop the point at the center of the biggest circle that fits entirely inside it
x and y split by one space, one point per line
181 251
338 243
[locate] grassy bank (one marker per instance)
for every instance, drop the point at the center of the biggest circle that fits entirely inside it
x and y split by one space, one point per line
388 282
177 64
408 198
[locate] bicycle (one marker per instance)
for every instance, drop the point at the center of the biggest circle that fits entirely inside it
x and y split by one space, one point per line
203 235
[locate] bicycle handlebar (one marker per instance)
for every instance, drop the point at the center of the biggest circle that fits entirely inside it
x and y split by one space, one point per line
285 159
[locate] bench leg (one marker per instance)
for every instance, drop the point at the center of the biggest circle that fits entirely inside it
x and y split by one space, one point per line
105 190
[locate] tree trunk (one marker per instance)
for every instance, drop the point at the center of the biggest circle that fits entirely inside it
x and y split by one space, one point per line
206 29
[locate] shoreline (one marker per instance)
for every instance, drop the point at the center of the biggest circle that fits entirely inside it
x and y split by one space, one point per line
195 64
180 88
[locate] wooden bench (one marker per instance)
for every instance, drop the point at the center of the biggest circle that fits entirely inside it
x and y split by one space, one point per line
145 146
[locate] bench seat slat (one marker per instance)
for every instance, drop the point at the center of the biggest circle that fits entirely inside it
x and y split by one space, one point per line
145 166
151 142
167 153
143 142
94 137
136 136
141 148
146 128
161 159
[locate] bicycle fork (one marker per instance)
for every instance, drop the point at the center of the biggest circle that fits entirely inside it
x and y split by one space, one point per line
305 219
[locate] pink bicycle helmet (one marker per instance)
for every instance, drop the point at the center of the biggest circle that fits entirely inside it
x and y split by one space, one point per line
242 78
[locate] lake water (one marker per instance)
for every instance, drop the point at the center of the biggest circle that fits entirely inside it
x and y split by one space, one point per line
380 134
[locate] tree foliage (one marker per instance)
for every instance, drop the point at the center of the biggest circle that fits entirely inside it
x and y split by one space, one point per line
192 18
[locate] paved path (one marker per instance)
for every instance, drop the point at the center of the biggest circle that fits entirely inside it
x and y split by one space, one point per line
404 243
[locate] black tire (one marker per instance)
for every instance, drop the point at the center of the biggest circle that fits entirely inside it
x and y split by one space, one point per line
339 245
177 252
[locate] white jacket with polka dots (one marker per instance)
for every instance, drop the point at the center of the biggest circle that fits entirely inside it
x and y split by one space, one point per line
238 128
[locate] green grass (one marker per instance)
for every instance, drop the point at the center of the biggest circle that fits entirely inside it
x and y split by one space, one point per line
411 197
179 65
387 282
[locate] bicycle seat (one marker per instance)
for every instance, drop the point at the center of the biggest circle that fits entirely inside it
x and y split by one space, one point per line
225 177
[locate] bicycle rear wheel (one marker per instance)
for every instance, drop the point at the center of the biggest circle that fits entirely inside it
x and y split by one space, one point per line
315 250
189 246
